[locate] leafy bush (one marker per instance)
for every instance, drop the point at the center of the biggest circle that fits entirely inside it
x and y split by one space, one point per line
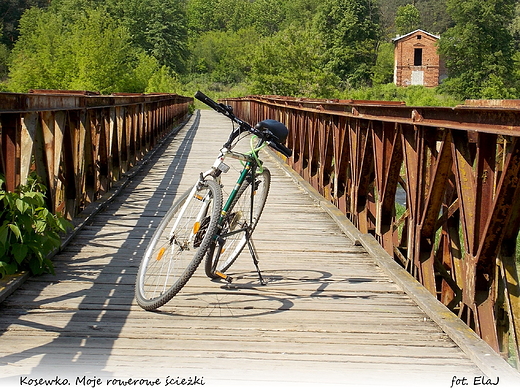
415 95
28 230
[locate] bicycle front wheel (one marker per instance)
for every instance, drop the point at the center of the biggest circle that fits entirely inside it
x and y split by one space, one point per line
178 245
238 224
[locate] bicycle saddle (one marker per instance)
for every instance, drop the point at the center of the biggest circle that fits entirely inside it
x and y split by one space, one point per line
275 128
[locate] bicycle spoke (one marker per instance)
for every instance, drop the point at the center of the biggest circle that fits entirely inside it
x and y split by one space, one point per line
178 246
241 219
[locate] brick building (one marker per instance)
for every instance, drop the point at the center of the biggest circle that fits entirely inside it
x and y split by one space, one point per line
416 60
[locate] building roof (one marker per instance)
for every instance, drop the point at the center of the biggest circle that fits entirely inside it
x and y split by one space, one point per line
413 32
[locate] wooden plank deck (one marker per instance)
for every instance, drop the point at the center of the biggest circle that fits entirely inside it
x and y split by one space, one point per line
329 315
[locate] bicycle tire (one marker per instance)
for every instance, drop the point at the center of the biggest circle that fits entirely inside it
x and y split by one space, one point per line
172 257
221 256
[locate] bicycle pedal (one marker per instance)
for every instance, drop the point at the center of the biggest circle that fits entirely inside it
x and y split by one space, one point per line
228 279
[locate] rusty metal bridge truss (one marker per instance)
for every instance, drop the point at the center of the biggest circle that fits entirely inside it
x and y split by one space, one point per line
457 171
80 143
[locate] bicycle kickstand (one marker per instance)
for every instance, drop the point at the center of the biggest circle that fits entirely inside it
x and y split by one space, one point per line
252 250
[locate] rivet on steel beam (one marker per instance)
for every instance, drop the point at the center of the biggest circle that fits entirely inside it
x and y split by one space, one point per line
416 116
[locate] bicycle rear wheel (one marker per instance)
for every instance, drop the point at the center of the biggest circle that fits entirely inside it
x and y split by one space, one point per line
239 222
178 245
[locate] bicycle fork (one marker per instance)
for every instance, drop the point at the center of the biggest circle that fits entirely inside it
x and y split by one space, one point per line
197 223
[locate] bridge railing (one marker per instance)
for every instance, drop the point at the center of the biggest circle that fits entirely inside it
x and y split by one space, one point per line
80 143
438 187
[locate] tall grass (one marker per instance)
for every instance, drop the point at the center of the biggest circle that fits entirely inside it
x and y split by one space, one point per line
414 95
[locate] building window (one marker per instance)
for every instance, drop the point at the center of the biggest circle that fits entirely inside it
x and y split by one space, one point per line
417 57
419 36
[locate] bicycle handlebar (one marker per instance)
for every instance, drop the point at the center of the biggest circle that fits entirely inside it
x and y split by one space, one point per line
227 111
280 148
220 108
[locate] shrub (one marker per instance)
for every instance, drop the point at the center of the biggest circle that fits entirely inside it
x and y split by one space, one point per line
28 230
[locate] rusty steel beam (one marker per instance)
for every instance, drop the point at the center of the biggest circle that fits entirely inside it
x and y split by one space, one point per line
80 142
488 119
459 168
10 125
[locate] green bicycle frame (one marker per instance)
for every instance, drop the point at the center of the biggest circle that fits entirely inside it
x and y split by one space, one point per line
251 164
237 186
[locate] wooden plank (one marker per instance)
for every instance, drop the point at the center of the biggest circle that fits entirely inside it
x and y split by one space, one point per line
328 311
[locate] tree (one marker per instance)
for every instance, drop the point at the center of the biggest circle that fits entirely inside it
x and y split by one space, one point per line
479 49
163 80
350 31
10 14
199 16
218 15
78 44
159 27
39 57
101 52
434 17
515 27
407 19
4 55
223 56
268 16
383 70
300 12
289 63
91 52
388 10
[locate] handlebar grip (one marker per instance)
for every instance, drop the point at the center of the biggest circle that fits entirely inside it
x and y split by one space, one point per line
208 101
281 148
220 108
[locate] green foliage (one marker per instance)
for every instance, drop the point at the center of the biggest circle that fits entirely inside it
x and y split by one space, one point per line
28 231
479 49
289 64
516 67
82 50
268 16
288 47
4 56
159 27
383 70
156 26
224 56
434 17
147 75
162 80
34 57
91 52
414 95
350 32
99 50
221 15
407 19
193 83
300 12
10 13
200 16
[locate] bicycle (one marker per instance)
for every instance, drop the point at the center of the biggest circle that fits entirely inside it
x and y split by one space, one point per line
201 224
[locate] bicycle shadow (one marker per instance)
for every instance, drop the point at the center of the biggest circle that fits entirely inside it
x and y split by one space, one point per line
246 297
79 328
